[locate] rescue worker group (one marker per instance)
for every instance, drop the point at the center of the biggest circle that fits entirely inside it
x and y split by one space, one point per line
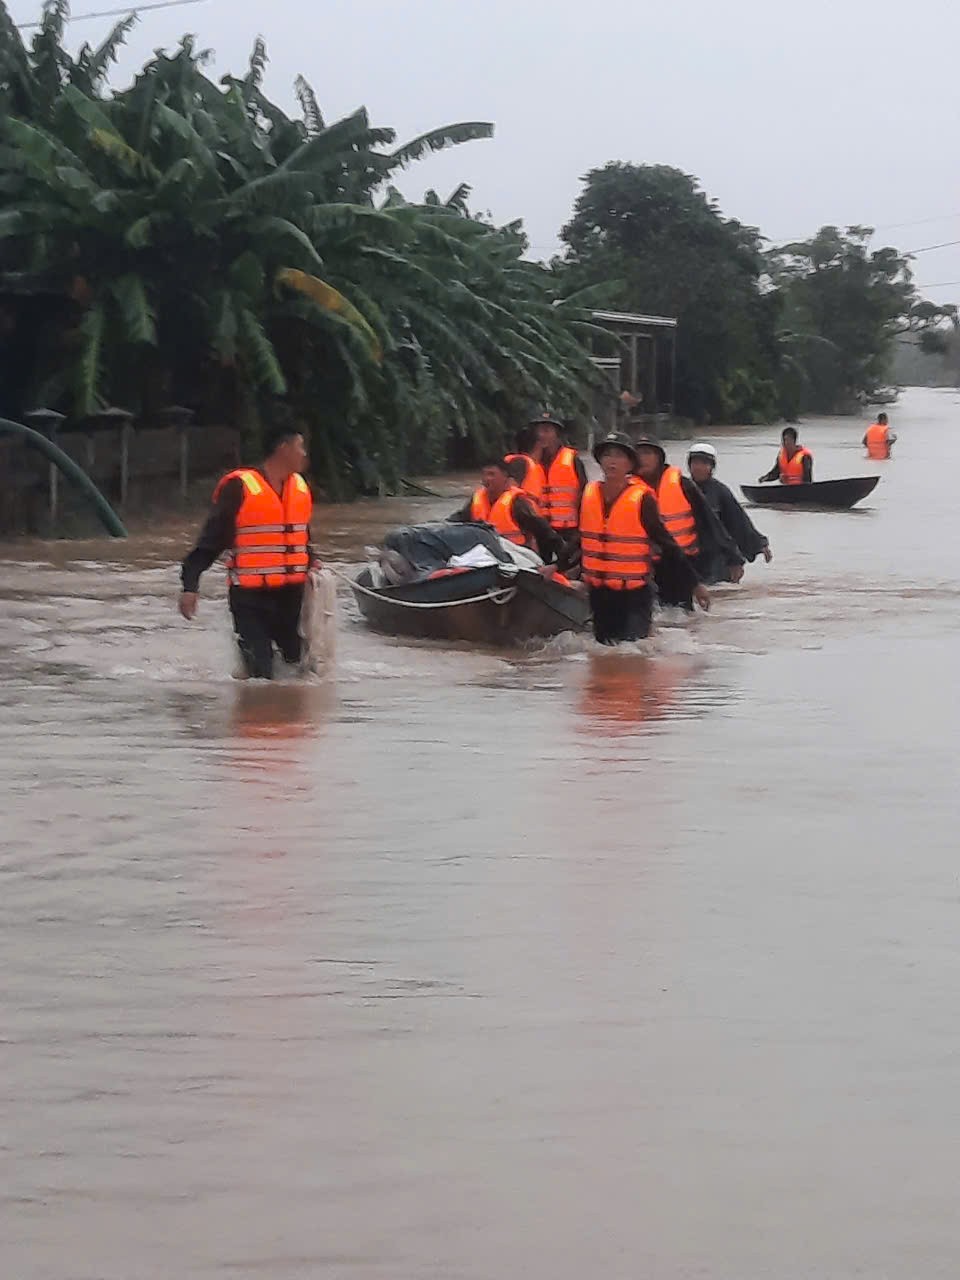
643 534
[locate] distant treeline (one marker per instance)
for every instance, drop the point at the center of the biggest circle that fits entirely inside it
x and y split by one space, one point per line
915 367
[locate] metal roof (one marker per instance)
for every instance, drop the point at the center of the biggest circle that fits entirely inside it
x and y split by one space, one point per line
626 318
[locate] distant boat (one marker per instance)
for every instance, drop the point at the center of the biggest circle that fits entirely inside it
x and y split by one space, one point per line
884 395
837 494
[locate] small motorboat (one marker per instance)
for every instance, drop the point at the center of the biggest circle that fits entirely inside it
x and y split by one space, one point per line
837 494
884 395
499 603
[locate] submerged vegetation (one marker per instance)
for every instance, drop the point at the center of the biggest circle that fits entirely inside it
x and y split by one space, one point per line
185 241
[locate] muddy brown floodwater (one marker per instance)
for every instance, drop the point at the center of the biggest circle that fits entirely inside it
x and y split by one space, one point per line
556 964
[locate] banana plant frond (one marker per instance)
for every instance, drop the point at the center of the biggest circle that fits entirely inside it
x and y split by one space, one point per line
139 323
328 298
450 135
87 374
312 115
258 353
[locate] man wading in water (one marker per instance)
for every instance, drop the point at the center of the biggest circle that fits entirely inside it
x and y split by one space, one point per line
261 517
702 459
694 527
621 536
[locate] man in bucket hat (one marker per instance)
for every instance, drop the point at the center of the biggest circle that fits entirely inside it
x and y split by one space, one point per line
552 474
622 538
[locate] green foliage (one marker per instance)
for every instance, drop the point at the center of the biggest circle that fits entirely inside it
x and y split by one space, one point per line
228 254
651 229
849 302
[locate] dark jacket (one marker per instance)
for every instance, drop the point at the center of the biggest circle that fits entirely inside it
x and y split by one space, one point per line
719 498
716 544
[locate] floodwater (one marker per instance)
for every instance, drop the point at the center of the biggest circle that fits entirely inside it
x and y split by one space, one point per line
468 966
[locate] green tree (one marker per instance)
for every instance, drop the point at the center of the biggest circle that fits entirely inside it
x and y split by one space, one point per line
851 302
652 229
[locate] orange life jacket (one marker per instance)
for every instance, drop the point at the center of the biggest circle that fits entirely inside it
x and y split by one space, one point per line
878 440
556 489
499 513
270 546
615 547
676 512
791 469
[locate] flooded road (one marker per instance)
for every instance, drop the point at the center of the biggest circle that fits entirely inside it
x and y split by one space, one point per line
554 964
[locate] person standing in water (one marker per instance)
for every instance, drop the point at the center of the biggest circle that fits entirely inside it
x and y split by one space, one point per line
621 537
553 476
261 518
878 439
685 513
702 461
794 464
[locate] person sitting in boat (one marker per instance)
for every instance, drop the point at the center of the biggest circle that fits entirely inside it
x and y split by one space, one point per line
794 464
701 463
622 536
684 511
501 503
879 439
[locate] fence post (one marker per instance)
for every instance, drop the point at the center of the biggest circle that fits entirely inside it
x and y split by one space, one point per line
123 419
176 415
47 422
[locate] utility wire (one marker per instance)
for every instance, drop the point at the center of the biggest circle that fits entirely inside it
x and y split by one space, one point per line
928 248
114 13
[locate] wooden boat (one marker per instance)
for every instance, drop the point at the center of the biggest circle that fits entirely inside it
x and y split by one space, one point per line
838 494
497 606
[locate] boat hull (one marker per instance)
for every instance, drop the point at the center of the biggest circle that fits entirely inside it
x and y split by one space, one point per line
482 606
833 494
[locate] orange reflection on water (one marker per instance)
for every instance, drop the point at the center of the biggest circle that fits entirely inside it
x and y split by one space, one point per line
625 691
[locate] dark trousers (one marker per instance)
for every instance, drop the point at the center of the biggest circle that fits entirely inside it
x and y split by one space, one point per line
673 589
264 617
621 615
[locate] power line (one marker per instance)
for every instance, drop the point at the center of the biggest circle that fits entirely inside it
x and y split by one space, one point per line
943 284
883 226
115 13
917 222
930 247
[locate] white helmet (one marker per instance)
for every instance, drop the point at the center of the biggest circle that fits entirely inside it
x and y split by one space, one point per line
702 451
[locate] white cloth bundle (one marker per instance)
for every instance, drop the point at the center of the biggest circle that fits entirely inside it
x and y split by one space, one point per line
318 622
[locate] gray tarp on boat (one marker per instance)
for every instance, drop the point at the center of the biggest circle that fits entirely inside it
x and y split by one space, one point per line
428 547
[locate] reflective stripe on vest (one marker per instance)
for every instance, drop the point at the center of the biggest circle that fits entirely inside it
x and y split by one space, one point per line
791 469
878 442
270 544
676 512
499 514
559 488
615 547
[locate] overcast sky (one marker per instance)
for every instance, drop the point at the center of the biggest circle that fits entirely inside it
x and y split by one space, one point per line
792 113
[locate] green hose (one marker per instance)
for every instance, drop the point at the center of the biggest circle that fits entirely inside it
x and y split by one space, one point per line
108 517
